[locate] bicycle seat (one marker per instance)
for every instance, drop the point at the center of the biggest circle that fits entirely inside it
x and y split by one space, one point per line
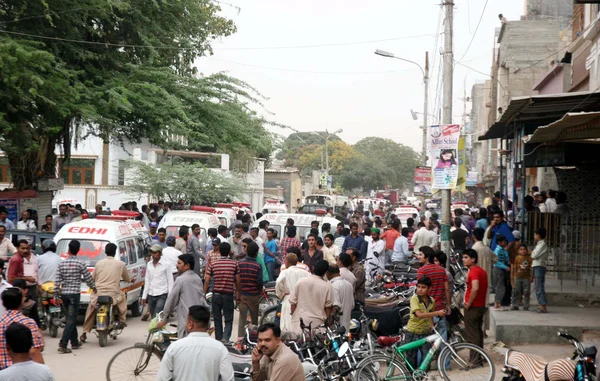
269 284
386 341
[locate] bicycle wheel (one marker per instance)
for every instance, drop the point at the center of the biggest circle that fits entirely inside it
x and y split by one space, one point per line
381 367
472 363
133 363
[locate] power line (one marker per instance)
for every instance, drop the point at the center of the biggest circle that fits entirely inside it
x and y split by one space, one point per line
475 33
543 59
470 68
309 71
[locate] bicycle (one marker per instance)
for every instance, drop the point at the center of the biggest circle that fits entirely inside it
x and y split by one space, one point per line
467 361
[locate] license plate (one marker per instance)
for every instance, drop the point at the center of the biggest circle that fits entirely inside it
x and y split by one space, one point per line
54 309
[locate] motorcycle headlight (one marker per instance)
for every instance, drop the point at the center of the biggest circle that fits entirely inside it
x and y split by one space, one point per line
388 278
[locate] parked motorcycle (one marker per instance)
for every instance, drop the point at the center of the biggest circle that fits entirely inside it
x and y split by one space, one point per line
107 320
520 366
52 312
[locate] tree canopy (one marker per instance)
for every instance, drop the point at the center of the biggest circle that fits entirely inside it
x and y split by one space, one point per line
124 68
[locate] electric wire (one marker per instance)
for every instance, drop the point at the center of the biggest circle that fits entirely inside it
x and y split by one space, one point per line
475 32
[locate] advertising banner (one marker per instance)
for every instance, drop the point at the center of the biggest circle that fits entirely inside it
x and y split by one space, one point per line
444 155
422 181
12 208
471 179
462 166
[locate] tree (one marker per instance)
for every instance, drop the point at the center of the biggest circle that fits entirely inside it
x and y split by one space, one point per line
293 144
126 70
365 173
399 159
179 180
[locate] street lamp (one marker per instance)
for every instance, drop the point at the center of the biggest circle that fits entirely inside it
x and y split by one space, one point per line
327 146
425 72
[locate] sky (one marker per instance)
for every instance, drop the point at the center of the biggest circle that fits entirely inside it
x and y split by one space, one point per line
345 85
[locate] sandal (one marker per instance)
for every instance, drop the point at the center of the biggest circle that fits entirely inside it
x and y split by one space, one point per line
83 338
539 311
64 350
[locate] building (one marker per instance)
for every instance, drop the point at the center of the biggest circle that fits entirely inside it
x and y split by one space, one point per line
284 183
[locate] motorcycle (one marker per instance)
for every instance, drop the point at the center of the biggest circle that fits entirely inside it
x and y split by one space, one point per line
107 320
525 367
52 312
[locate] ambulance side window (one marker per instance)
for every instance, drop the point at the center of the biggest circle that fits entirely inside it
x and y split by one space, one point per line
123 252
131 251
277 228
140 248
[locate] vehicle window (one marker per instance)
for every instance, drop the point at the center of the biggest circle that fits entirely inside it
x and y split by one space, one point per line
123 252
277 228
90 251
131 251
223 221
173 231
303 232
140 248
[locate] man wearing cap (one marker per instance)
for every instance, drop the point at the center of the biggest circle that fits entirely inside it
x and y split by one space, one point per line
153 233
214 254
158 282
48 262
170 255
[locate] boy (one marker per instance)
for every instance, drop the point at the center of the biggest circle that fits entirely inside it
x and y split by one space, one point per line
421 319
521 276
501 268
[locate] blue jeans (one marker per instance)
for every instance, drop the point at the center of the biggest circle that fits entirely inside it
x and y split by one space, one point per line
539 275
156 304
71 306
222 306
442 328
270 270
416 356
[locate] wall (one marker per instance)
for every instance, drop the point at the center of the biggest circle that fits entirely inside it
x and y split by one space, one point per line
549 8
555 81
288 180
479 125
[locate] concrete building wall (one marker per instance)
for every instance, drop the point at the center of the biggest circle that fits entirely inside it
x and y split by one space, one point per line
479 96
289 181
549 8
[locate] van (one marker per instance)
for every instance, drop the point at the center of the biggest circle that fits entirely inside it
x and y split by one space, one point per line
226 214
94 235
201 215
403 213
274 206
302 222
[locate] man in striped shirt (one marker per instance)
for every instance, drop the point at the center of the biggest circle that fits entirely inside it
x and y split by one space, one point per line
251 284
226 275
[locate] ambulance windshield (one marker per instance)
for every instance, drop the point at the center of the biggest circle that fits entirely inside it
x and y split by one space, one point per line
91 251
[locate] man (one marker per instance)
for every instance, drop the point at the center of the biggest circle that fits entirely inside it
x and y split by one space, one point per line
238 221
440 289
486 259
475 302
222 233
19 342
270 254
12 299
459 236
65 216
421 237
540 261
213 255
251 284
235 240
290 239
259 241
170 255
3 285
226 275
338 231
107 275
325 229
344 262
245 227
5 221
312 254
158 282
339 241
401 254
330 251
499 226
311 299
342 297
540 199
197 356
354 239
359 272
162 238
68 281
390 236
48 262
194 248
181 242
24 266
286 283
7 249
272 360
187 291
551 201
47 227
26 223
262 232
153 232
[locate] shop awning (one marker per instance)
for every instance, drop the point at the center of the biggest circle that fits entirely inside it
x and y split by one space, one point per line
571 127
535 111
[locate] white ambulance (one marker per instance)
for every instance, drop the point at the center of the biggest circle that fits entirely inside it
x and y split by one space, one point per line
226 214
403 213
202 215
274 206
302 222
94 235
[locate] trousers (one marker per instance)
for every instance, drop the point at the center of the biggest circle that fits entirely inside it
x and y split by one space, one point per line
222 307
500 276
411 356
71 305
474 325
156 304
539 275
522 287
90 314
248 303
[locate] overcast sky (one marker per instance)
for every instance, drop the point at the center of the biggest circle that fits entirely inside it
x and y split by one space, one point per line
347 86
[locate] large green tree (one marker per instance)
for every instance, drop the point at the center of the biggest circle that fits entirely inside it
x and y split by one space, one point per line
400 160
362 172
306 151
126 69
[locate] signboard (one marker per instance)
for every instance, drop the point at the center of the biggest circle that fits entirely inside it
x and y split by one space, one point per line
12 207
422 181
444 149
461 183
472 179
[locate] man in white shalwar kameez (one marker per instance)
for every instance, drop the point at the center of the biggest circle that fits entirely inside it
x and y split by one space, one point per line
376 245
286 282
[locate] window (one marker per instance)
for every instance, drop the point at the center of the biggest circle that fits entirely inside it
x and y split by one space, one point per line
123 252
131 251
78 171
140 248
4 171
122 164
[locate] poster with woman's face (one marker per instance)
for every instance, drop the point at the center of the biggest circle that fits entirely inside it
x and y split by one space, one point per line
444 154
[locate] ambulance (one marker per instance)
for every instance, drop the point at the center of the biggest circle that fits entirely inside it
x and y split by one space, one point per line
302 222
204 216
94 235
226 213
459 205
403 213
274 206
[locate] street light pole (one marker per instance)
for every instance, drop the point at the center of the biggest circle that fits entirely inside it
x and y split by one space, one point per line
327 153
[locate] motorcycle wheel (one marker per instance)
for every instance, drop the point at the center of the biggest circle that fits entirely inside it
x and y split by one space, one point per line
265 303
52 328
102 338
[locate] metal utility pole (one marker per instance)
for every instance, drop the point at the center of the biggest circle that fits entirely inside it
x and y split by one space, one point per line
425 114
327 153
447 111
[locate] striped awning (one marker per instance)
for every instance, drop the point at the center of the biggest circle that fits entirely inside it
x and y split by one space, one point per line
571 127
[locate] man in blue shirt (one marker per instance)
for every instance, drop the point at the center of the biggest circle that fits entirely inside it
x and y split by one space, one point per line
354 239
501 270
270 253
500 227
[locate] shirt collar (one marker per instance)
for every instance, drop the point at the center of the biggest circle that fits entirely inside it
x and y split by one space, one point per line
276 354
198 334
336 279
